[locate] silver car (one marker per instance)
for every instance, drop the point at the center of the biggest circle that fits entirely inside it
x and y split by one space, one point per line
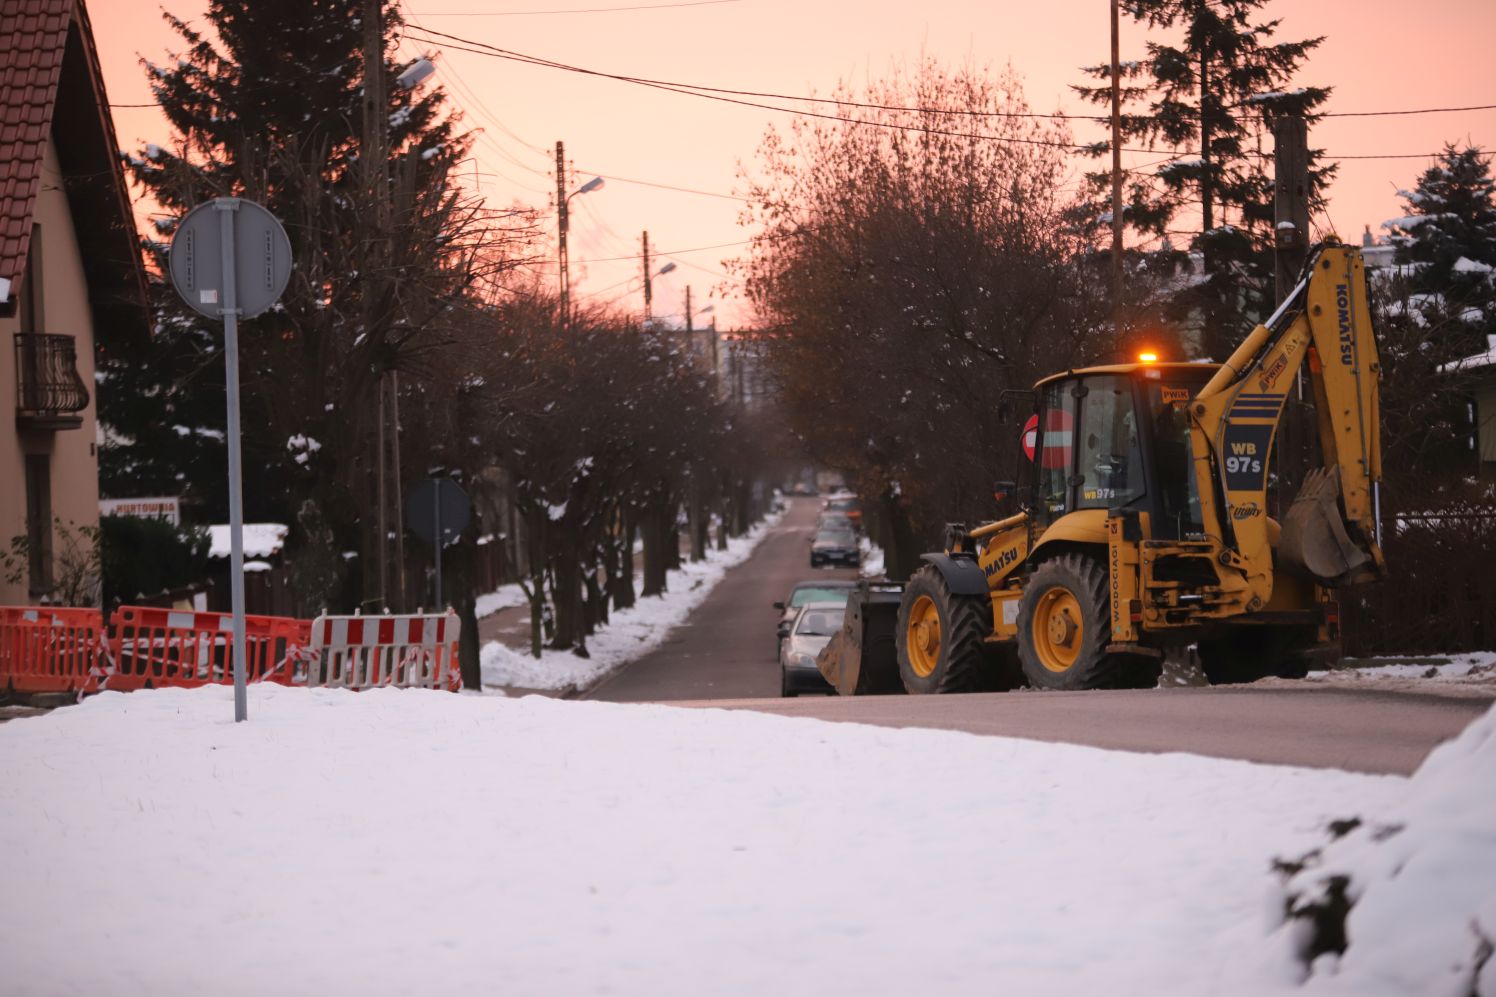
815 625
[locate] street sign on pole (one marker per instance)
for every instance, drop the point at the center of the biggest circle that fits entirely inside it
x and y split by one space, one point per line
438 507
231 259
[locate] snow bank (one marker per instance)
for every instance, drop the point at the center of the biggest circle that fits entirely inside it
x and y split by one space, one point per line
1420 876
630 633
417 842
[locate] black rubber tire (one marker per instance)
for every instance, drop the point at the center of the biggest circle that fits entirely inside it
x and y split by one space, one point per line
965 623
785 692
1085 578
1241 654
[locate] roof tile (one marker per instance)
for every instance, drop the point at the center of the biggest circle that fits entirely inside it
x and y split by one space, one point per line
33 35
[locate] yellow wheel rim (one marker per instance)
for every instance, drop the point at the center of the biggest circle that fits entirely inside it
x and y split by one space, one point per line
923 636
1057 629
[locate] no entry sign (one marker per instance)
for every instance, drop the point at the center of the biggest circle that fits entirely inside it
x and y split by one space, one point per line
1058 435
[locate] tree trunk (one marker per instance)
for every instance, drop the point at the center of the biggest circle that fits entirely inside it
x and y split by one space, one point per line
698 520
901 551
536 545
566 590
622 583
655 538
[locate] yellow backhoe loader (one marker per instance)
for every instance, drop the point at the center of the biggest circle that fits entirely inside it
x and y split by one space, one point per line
1145 523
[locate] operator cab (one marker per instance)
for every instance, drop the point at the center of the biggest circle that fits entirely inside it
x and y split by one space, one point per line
1118 438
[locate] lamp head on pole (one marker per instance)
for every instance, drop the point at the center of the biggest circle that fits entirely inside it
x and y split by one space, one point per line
664 269
596 183
414 73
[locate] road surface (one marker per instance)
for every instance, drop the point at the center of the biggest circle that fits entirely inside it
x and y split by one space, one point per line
726 649
724 658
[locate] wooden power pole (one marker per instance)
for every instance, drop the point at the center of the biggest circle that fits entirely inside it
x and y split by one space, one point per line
562 259
1116 177
1290 251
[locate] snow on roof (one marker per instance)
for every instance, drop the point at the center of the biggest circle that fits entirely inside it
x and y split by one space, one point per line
260 539
1486 359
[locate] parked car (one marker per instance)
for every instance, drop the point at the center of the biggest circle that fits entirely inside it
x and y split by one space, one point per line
815 625
832 547
807 592
836 521
844 503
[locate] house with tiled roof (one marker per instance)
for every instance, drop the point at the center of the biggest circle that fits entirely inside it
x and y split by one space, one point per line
71 277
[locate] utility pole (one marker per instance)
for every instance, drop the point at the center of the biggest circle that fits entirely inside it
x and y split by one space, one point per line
1290 251
374 158
561 216
1116 177
648 292
1290 201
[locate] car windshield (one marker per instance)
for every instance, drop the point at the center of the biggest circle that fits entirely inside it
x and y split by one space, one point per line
817 594
836 537
819 623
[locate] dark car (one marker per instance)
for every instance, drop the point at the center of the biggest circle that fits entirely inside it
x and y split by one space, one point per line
806 592
836 521
815 625
833 547
845 504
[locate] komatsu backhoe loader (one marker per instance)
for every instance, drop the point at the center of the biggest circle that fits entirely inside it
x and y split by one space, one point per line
1145 523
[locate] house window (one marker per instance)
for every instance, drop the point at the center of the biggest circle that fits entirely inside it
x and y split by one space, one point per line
39 522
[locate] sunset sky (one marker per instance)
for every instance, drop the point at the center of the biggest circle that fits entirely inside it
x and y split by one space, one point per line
1379 55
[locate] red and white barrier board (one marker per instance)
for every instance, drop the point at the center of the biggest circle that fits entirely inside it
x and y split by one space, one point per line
365 652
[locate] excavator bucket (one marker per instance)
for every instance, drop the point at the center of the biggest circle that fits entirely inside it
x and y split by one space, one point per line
862 658
1314 541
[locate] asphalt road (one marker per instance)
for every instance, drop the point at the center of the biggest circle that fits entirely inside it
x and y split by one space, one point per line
726 650
724 658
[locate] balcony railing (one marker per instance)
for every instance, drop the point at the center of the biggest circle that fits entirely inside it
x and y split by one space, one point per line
49 392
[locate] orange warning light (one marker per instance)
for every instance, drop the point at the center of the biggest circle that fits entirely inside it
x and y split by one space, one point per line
1148 357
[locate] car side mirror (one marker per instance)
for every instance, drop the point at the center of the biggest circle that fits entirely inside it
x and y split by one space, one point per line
779 606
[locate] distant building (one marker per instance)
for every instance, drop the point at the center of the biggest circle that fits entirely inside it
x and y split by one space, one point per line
742 374
70 273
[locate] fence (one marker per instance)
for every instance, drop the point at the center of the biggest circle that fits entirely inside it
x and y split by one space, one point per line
46 650
1438 596
359 652
52 650
155 647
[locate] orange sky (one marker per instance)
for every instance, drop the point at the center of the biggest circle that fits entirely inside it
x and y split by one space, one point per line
1378 54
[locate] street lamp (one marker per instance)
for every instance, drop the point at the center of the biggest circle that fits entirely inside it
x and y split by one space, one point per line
563 200
649 290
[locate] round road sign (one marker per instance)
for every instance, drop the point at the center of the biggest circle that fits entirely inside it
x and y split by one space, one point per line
260 251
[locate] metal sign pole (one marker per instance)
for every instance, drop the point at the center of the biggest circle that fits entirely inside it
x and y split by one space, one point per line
437 507
227 207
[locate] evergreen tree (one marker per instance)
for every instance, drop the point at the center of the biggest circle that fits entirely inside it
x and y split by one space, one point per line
265 103
1217 94
1447 245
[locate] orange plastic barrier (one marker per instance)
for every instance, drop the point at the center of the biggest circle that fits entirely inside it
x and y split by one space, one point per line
168 647
43 649
365 652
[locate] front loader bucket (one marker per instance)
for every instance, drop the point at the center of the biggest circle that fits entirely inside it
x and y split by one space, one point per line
862 659
1314 541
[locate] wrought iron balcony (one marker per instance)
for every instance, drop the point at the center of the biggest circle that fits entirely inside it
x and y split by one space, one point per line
49 392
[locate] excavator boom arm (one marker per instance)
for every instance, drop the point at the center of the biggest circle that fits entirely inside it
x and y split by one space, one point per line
1331 532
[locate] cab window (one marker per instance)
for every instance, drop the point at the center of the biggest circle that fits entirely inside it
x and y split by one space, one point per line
1109 467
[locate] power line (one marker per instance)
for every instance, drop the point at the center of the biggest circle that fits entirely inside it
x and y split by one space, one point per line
844 102
576 10
721 94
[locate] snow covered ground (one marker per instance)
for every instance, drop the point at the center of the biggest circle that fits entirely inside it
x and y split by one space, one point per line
630 633
416 842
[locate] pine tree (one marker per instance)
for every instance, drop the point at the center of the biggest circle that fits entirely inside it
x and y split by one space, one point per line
1447 244
1217 95
265 103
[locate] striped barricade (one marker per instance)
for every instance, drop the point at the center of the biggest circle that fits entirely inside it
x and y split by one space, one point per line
46 649
365 652
153 648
